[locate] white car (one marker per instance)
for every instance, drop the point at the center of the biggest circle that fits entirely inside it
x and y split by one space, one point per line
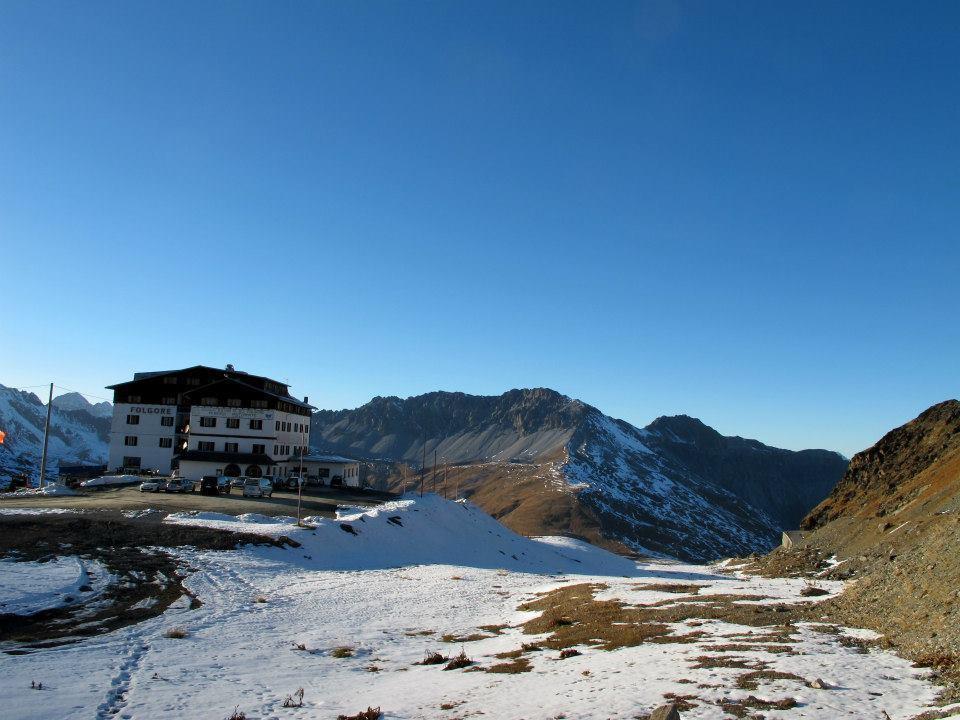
257 487
150 486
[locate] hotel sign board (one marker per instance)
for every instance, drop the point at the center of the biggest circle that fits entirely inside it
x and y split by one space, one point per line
225 412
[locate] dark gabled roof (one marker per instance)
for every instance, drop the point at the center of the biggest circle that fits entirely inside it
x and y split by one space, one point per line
137 377
226 457
285 398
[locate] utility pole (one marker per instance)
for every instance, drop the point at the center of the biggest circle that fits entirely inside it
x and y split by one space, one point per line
303 440
46 438
423 464
434 470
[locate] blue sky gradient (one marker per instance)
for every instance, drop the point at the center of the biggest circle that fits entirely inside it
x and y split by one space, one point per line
746 212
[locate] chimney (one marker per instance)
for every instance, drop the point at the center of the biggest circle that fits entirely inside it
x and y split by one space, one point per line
306 400
230 367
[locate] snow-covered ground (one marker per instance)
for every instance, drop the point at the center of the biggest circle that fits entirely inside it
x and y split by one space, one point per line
388 583
29 587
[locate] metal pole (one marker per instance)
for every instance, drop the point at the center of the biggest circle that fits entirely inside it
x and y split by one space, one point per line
434 470
423 463
46 438
303 439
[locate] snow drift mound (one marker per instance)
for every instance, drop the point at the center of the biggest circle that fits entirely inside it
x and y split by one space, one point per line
420 531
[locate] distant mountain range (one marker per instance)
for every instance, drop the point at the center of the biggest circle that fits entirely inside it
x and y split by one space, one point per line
543 463
80 432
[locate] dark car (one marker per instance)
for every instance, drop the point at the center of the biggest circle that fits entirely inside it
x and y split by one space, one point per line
209 485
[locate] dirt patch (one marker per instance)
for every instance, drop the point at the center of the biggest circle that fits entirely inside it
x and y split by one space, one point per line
572 616
148 581
518 665
680 588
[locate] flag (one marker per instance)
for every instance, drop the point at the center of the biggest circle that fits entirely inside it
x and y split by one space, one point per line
2 436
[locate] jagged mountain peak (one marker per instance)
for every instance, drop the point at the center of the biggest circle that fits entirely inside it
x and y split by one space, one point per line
546 462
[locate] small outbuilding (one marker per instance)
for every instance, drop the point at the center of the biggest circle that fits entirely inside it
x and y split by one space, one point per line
792 537
332 470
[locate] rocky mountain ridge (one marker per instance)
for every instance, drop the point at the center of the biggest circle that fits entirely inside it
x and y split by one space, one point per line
542 462
79 433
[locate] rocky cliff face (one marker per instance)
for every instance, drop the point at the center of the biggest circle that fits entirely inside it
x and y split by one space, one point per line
893 523
544 463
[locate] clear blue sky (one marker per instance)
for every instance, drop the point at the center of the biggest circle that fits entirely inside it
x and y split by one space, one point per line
743 211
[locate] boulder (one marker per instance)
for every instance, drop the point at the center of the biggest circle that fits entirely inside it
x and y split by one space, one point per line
665 712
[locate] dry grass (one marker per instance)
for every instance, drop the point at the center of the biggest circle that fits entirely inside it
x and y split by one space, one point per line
237 714
434 658
419 633
495 629
370 713
176 633
260 599
460 661
741 708
472 637
751 680
344 651
518 665
569 653
295 700
679 588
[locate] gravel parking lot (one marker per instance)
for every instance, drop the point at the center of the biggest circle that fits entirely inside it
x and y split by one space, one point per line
316 501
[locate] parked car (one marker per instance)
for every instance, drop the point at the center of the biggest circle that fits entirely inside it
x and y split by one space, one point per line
209 485
257 487
223 484
176 485
238 482
293 481
153 486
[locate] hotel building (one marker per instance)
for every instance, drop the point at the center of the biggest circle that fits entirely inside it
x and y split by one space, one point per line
207 421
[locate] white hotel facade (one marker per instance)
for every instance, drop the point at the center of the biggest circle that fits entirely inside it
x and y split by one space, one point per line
207 421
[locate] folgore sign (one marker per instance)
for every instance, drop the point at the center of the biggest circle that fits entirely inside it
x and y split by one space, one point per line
151 410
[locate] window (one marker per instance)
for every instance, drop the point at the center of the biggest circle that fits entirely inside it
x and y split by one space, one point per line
258 449
133 419
261 404
167 421
170 380
133 398
256 424
193 381
130 440
131 462
277 428
323 472
169 400
166 442
208 401
233 402
231 447
233 423
205 445
208 422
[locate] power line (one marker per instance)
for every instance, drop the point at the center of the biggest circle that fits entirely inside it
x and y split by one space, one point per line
96 397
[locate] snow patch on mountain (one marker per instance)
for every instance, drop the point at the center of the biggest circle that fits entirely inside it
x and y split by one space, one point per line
76 435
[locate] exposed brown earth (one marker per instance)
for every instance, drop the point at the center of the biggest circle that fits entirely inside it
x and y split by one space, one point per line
893 523
527 498
148 580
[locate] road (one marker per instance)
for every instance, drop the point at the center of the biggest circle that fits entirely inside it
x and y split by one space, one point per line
322 501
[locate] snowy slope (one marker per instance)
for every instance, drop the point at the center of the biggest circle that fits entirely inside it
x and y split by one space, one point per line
76 436
348 618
